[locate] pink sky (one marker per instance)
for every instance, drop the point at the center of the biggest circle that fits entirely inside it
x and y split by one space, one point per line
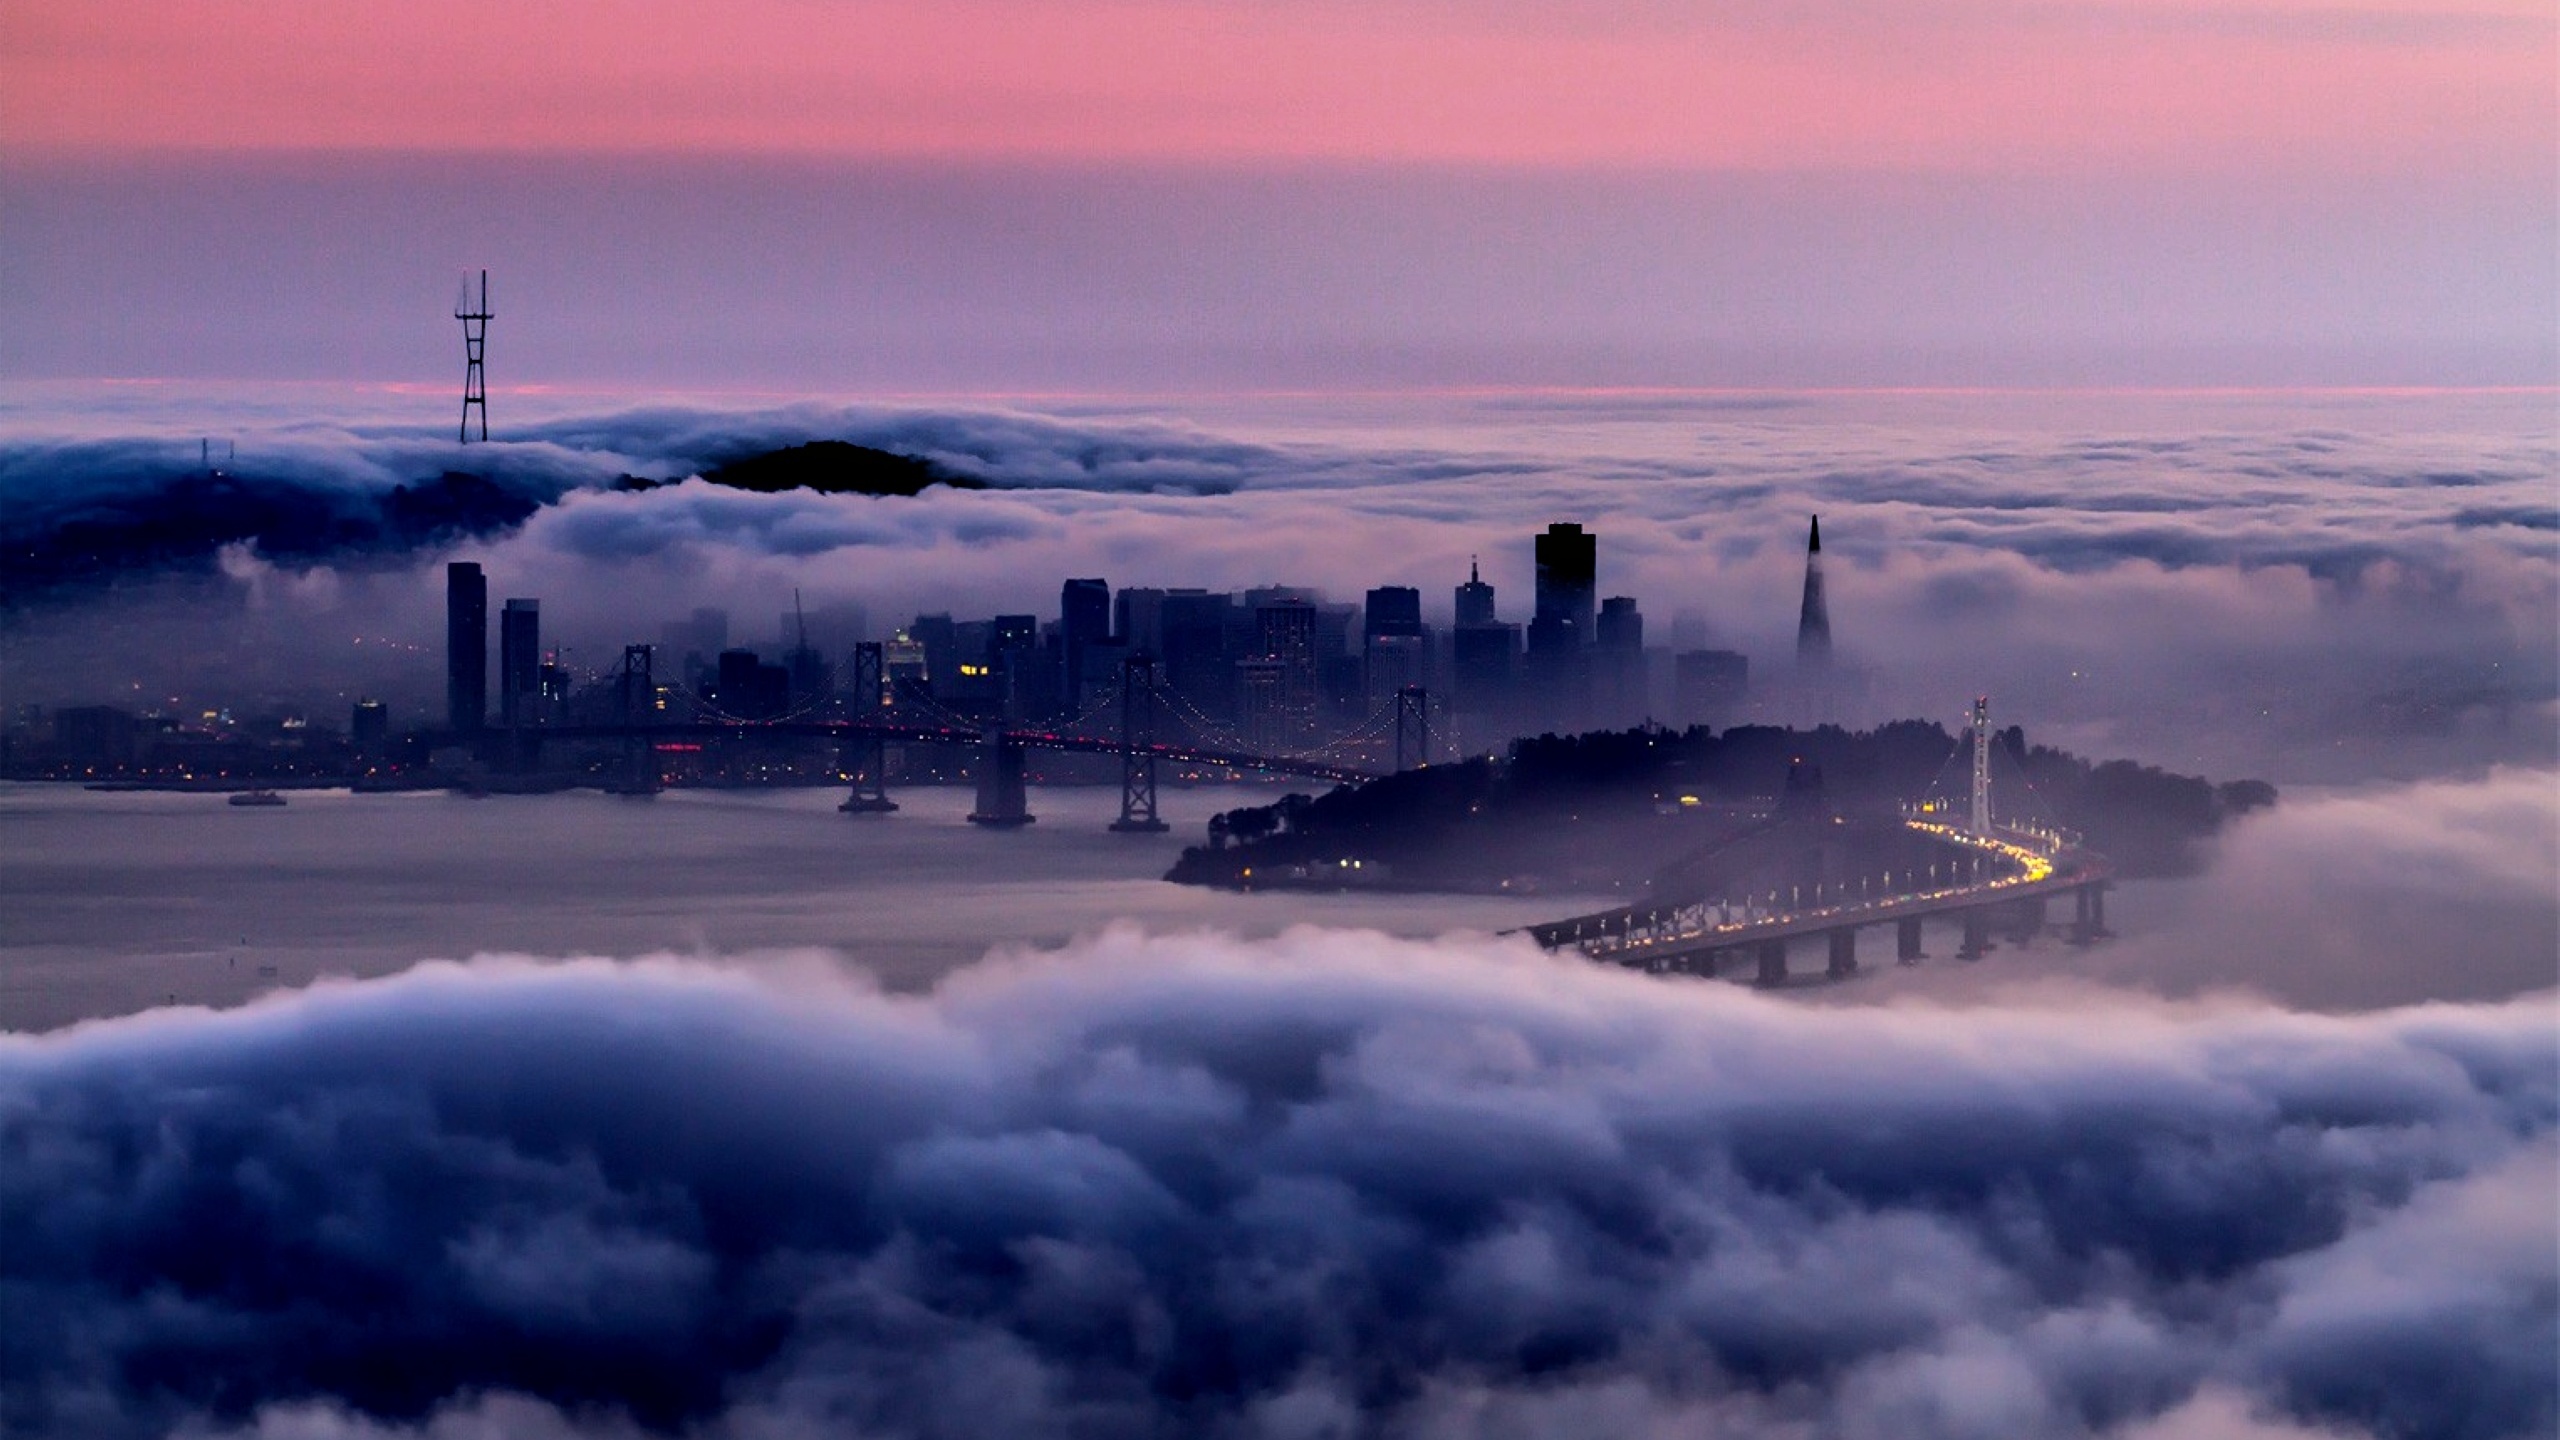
1999 85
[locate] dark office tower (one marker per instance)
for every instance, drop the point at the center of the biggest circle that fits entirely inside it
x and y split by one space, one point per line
1813 625
1193 627
1084 621
519 662
1485 659
1285 631
1137 618
369 729
1619 672
1392 643
466 647
1708 686
1475 600
1568 580
1013 653
1394 610
749 689
943 655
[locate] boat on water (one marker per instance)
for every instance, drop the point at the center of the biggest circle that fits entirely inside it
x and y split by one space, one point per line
256 797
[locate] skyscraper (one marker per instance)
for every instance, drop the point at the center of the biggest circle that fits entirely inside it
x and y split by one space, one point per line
1475 600
1483 651
1621 680
1560 632
1084 621
1813 624
1285 631
519 662
1392 642
1568 580
466 647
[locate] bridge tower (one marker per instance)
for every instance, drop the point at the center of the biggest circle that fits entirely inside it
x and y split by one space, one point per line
639 697
1000 785
1413 728
866 757
1137 748
1982 765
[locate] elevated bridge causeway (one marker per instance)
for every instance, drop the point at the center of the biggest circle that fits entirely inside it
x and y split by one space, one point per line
1708 937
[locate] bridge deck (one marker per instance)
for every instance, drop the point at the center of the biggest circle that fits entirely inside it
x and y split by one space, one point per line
1623 936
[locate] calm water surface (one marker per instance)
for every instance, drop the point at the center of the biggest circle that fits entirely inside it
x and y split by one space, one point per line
111 903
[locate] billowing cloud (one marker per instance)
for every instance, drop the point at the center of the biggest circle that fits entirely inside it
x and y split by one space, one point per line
2202 583
1324 1184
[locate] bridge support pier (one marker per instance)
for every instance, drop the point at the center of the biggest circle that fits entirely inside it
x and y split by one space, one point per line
1001 800
2089 913
1844 954
870 782
1773 962
2026 921
1977 935
1906 941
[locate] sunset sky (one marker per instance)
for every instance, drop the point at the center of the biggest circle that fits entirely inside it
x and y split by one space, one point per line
1001 191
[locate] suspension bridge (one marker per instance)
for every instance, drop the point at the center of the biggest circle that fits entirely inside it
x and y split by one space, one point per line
1129 722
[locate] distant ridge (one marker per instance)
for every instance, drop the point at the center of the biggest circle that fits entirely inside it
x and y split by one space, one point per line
836 467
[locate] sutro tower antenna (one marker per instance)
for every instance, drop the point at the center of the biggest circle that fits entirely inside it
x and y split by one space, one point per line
475 347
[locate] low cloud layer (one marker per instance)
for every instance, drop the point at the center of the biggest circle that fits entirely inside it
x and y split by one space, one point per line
1329 1184
2213 583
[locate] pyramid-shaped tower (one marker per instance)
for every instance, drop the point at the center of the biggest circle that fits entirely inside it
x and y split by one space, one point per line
1813 624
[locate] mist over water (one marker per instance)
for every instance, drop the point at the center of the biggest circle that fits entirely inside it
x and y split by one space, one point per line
121 902
728 1115
2310 587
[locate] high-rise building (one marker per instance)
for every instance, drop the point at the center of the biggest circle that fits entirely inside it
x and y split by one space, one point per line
1013 651
1620 680
466 646
1813 622
1262 703
1568 582
1393 644
1285 631
1392 610
1475 600
1084 622
1193 627
1484 653
519 662
1708 686
1557 680
749 689
369 728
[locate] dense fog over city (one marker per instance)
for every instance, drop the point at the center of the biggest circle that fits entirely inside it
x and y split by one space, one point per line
746 901
2276 1161
2324 588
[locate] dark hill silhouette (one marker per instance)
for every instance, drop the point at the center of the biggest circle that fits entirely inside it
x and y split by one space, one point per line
1666 808
836 467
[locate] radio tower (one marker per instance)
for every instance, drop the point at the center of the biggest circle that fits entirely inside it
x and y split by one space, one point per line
475 346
